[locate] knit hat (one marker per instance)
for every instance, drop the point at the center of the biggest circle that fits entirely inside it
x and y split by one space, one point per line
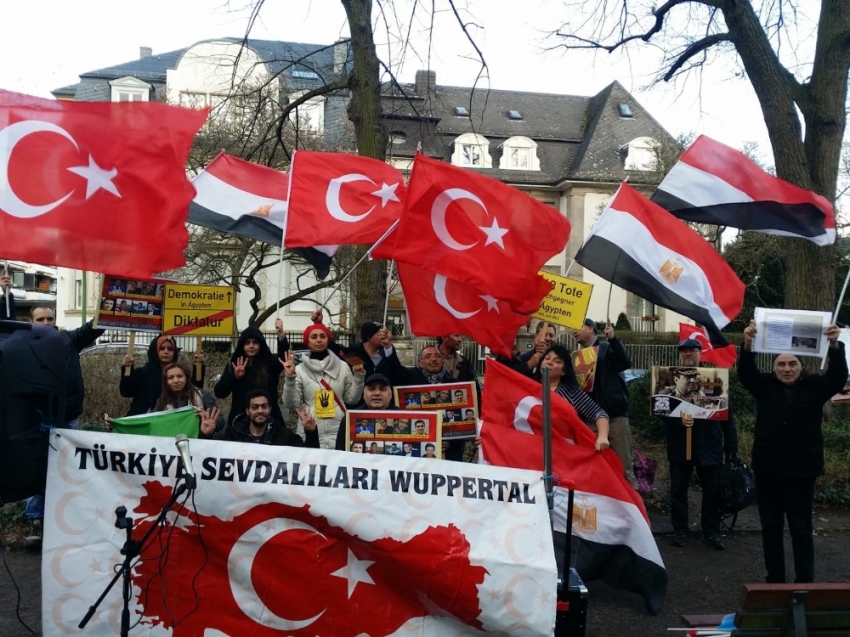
162 339
317 326
369 329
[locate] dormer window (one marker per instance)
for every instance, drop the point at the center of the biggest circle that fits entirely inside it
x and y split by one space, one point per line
640 154
472 151
130 89
519 153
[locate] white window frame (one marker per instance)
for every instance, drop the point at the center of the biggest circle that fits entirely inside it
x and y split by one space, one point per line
641 154
134 88
519 143
309 116
470 142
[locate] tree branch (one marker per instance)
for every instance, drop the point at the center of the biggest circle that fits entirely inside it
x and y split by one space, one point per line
694 49
265 314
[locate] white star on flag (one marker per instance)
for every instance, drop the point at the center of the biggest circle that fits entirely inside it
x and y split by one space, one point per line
494 234
491 303
387 193
96 178
354 572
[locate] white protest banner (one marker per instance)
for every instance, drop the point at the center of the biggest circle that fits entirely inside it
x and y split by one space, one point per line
297 542
798 332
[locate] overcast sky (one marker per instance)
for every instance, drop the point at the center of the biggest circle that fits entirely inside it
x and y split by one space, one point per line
45 44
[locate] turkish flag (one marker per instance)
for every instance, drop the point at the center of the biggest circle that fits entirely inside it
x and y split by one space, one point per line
437 305
515 401
720 356
93 185
338 198
282 570
477 231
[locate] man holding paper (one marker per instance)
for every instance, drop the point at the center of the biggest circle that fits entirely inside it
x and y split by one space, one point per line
788 447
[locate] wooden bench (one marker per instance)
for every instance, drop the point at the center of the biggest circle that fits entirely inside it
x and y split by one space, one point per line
794 610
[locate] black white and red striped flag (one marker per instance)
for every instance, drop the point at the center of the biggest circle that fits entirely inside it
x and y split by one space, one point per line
713 183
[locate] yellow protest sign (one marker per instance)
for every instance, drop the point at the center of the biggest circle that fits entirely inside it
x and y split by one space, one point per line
199 310
566 304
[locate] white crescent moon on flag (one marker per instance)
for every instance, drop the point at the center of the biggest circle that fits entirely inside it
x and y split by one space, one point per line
240 563
10 203
438 216
696 337
523 411
332 198
440 296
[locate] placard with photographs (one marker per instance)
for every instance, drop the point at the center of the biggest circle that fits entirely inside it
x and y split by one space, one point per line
456 402
130 304
700 392
394 433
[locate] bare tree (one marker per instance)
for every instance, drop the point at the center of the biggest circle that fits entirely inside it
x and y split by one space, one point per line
690 32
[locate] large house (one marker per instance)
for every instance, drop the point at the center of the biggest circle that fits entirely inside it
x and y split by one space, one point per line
568 151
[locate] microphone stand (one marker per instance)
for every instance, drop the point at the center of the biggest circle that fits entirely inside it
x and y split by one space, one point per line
131 550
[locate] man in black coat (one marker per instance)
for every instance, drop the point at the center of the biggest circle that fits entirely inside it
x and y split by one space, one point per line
710 439
7 297
788 448
75 342
608 388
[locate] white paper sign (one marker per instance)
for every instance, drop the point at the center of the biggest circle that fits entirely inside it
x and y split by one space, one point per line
798 332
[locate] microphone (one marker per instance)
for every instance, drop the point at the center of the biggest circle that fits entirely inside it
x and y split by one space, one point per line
182 443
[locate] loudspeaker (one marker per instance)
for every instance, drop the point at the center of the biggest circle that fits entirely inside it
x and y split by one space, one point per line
32 393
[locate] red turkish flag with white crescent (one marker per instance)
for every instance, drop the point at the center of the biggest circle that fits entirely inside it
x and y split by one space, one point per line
95 186
478 231
337 198
513 400
279 570
720 356
438 305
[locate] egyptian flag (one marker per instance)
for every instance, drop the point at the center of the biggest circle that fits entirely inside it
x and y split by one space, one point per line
238 197
712 183
611 537
642 248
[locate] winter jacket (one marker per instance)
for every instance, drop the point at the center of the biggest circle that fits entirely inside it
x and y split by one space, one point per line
609 385
710 439
788 439
368 364
301 389
202 399
144 385
238 388
277 434
75 342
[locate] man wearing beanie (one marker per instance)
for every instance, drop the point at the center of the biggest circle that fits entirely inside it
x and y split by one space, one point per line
375 349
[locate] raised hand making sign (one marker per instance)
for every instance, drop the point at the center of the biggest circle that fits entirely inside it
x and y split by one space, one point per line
199 310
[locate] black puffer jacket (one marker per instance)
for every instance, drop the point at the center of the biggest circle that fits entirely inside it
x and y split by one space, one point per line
609 385
788 438
277 435
263 372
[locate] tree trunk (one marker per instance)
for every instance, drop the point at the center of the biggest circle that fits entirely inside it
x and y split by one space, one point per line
370 280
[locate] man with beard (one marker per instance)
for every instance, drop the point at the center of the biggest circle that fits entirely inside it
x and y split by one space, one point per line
377 396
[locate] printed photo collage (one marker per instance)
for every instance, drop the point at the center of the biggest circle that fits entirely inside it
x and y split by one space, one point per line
394 433
130 304
456 402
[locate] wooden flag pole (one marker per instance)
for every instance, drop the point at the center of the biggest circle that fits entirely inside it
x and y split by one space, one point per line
389 289
199 349
131 347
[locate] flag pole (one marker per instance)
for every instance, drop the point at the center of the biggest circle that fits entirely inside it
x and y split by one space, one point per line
837 309
362 259
283 234
570 267
389 289
8 293
547 443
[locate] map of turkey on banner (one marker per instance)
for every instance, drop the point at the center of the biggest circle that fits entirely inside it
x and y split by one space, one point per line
386 545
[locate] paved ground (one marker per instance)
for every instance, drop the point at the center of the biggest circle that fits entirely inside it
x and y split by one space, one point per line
702 581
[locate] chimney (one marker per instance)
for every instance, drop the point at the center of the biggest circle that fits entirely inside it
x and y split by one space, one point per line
340 55
425 81
145 52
